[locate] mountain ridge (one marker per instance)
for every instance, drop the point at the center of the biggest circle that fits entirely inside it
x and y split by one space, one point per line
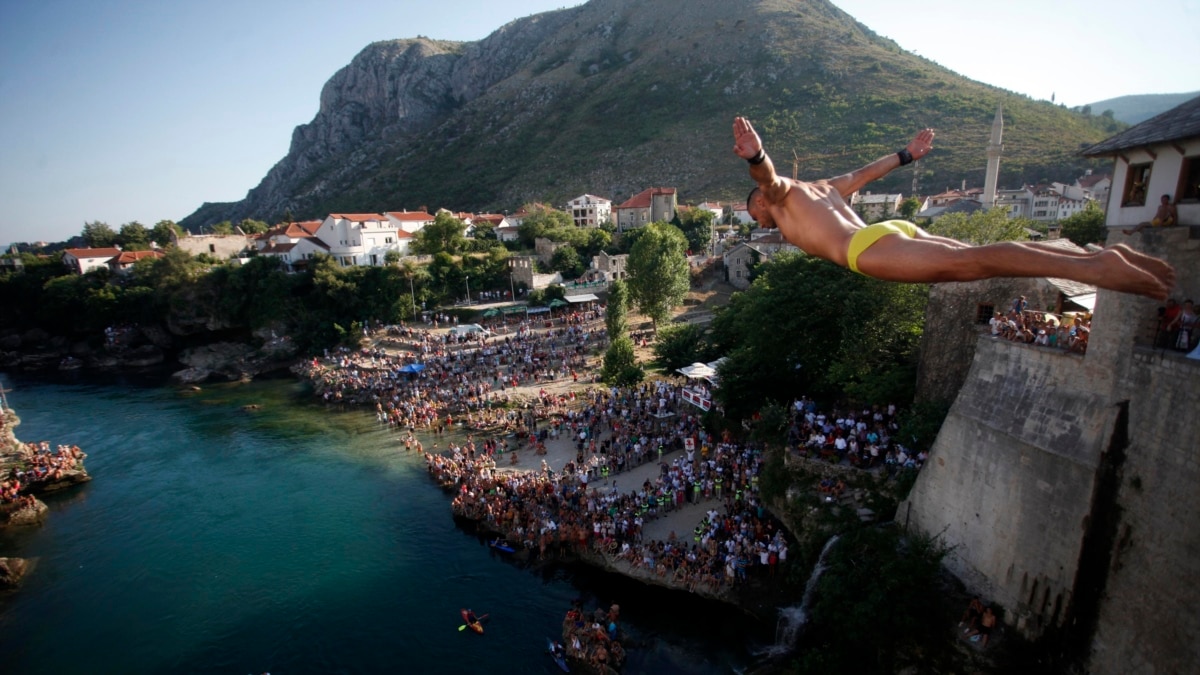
614 96
1136 108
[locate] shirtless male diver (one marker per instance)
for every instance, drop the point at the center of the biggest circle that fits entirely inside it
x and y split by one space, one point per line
816 218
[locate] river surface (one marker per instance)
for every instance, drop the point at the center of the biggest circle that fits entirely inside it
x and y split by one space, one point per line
294 539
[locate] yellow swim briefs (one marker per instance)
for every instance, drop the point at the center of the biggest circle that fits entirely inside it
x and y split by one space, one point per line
864 238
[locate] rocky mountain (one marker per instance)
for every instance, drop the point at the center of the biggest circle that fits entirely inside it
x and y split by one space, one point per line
615 96
1140 107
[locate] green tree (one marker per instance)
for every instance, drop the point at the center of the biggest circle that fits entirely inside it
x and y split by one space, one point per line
1085 227
541 219
566 260
97 234
981 227
597 240
658 271
250 226
808 326
616 314
485 232
443 235
680 345
134 237
223 227
697 226
620 364
873 612
909 208
164 232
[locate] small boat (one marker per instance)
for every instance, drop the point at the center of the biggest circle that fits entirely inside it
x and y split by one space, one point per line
501 545
558 654
476 625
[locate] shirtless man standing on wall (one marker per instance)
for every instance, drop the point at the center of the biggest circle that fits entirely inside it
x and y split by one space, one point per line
816 218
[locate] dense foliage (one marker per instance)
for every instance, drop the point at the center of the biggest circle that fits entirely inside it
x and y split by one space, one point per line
317 307
697 226
616 314
1085 227
872 611
809 327
658 271
981 227
679 346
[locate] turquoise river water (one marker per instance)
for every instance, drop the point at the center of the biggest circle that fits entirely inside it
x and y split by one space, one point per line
294 539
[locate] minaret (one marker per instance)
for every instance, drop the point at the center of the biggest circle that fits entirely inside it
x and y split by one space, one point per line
994 149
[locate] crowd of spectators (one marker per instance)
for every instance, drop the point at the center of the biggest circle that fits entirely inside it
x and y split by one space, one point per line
1045 329
864 438
436 375
582 509
37 464
593 639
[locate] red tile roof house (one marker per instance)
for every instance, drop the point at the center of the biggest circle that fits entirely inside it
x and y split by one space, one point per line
84 260
125 260
651 205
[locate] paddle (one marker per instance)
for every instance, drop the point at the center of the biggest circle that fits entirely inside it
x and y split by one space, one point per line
478 619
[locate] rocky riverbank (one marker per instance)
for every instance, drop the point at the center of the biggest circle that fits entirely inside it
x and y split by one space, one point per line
138 348
28 470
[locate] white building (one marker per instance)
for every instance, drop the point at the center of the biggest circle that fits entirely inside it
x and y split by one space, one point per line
872 208
84 260
293 243
1160 156
409 221
741 213
590 210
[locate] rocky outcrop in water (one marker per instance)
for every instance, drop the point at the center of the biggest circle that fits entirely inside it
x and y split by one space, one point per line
12 570
233 361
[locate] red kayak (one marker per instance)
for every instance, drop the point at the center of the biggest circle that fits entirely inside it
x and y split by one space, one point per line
475 625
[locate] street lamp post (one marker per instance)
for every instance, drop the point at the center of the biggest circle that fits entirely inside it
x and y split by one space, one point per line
511 287
413 291
467 279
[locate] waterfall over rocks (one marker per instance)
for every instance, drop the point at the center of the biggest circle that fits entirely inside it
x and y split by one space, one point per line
792 620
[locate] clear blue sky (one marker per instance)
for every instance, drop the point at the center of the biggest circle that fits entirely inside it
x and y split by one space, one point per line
122 110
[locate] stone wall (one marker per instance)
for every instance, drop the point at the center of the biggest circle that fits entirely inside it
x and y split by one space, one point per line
1148 621
1068 485
951 328
220 246
1009 482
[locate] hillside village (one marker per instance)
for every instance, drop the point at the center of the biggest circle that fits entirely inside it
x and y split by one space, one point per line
373 239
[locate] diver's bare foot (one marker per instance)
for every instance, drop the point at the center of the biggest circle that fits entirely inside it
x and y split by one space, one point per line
1119 274
1161 269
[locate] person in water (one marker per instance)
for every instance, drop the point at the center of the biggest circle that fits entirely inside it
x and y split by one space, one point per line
816 218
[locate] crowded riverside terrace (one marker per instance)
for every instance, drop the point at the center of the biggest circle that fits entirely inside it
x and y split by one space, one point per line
553 465
426 377
582 510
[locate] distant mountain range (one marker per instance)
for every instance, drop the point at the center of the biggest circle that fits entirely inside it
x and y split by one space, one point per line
615 96
1140 107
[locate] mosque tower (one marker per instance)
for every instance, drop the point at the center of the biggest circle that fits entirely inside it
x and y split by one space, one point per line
994 149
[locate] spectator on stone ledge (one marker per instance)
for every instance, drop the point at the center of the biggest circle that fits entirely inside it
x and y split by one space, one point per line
1186 323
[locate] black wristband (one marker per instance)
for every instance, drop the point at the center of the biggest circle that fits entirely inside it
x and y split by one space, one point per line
759 157
905 156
